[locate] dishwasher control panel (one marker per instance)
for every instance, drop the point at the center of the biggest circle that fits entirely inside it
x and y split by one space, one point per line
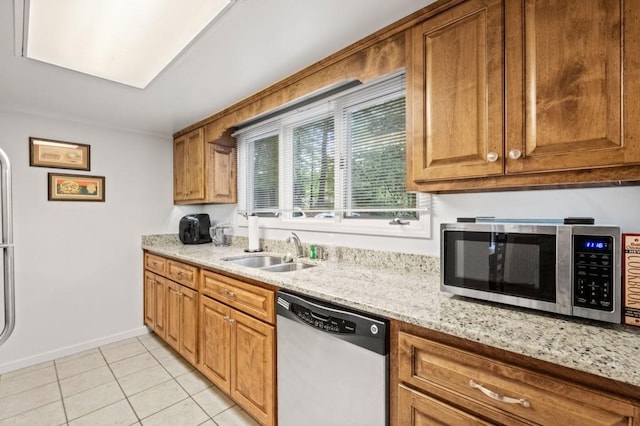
323 322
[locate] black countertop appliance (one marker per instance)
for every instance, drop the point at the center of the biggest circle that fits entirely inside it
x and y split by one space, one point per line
194 229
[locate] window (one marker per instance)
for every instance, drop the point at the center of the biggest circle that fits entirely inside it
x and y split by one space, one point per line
337 164
264 176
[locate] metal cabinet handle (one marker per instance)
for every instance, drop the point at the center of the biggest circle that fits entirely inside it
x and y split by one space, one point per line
514 154
525 403
492 156
229 320
229 293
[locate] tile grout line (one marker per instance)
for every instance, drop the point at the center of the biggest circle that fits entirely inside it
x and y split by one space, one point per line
189 396
38 406
64 407
118 382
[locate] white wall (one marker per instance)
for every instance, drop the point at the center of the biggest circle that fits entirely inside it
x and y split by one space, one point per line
612 205
78 265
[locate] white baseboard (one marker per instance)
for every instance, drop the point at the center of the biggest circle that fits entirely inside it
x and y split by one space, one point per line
70 350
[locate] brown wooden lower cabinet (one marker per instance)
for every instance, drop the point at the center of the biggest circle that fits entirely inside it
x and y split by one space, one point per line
182 320
149 299
222 325
172 335
441 384
160 286
417 409
170 308
237 354
189 324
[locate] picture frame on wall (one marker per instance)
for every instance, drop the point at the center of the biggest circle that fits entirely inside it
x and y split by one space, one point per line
59 154
70 187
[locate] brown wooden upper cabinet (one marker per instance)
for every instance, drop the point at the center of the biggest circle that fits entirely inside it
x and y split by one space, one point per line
204 171
524 93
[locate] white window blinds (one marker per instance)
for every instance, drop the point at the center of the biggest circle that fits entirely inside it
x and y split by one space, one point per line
375 180
341 158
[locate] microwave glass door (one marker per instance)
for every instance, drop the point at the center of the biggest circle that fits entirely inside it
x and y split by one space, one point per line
522 265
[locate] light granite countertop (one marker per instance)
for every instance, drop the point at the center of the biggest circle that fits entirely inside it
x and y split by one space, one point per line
406 288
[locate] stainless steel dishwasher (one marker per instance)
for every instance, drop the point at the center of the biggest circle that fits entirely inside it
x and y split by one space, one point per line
333 364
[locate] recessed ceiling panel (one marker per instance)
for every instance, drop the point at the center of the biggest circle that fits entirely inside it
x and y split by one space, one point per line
127 41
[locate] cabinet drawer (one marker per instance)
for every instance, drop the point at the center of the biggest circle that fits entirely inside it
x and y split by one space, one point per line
477 382
417 409
253 300
155 263
182 273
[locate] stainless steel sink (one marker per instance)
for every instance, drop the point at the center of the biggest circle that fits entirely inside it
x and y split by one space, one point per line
256 261
288 267
269 263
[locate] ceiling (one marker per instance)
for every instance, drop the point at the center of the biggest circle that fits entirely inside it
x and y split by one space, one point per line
254 44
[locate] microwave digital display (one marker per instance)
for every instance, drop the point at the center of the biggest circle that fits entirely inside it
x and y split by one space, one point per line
596 245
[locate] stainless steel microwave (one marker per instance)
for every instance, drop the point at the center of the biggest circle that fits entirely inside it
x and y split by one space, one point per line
562 268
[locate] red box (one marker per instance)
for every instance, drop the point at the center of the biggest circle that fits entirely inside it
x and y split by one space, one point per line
631 279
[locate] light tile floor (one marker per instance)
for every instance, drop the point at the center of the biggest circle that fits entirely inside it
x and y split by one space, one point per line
138 381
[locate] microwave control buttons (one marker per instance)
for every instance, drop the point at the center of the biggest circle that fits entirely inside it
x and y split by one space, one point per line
593 272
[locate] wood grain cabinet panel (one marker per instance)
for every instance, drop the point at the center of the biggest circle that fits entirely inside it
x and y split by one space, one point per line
253 366
522 94
223 184
160 306
172 333
416 409
565 65
215 343
154 263
253 300
499 392
182 273
189 324
189 167
237 354
171 308
149 299
455 95
204 171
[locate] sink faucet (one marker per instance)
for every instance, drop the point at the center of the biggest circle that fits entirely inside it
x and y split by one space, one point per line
296 240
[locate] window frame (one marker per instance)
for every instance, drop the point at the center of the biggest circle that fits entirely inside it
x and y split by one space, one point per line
283 126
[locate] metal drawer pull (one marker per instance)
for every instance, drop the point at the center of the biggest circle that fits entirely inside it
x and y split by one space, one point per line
525 403
229 293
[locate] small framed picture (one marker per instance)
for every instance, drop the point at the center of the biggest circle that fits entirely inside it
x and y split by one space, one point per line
64 187
59 155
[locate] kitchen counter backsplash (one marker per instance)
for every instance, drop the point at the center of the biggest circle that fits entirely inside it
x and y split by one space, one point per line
407 288
362 257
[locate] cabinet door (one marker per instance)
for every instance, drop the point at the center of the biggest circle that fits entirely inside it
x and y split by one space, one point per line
160 302
215 349
172 327
149 299
180 168
252 366
224 174
415 409
455 94
189 324
195 165
567 66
